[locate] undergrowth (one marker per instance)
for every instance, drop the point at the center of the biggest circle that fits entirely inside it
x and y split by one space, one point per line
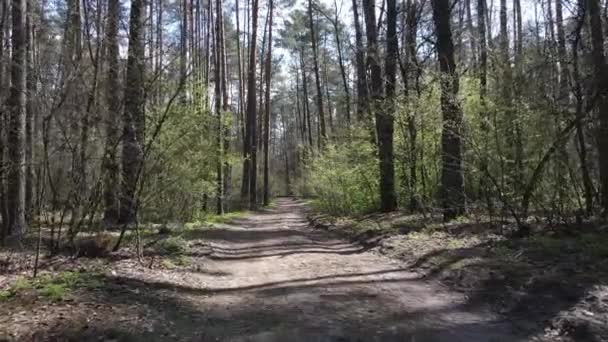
55 287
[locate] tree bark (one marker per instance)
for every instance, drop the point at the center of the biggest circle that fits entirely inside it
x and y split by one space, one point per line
362 109
601 91
133 117
452 178
268 107
110 161
313 39
16 104
385 116
250 162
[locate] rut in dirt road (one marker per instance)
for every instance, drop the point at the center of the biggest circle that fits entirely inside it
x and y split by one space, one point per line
281 280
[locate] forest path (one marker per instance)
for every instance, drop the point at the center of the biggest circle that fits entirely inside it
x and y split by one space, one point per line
270 277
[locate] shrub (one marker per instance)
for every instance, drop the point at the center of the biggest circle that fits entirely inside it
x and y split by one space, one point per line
172 245
343 180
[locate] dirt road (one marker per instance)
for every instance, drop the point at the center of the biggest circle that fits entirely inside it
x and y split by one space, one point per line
265 278
276 279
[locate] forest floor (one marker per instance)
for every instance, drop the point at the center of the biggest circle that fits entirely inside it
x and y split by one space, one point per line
270 276
551 283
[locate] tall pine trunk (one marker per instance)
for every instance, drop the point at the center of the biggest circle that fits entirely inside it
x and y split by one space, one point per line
315 59
268 107
250 162
16 104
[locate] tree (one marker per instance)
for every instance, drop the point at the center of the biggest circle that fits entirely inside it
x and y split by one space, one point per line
268 107
17 224
313 41
360 66
384 117
110 161
133 117
601 92
249 188
452 179
218 66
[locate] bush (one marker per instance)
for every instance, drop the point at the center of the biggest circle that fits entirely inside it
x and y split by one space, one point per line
343 180
172 246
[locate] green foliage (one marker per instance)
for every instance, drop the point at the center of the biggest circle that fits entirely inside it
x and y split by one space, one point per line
172 245
343 180
55 292
55 287
182 164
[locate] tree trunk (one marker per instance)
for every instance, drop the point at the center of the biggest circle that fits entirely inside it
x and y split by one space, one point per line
29 120
483 90
218 72
313 39
452 178
337 33
411 72
16 104
250 162
3 86
268 108
362 109
385 116
133 119
601 87
110 161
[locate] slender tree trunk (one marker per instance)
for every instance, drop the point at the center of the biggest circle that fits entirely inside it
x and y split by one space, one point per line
580 130
483 90
240 71
29 120
16 105
412 72
385 117
307 120
217 53
362 108
3 86
313 39
133 119
110 161
337 33
249 165
601 87
268 108
452 178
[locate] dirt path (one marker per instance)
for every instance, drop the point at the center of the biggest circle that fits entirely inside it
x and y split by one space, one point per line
270 277
275 279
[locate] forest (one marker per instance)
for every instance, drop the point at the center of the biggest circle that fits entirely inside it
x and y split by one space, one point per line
312 170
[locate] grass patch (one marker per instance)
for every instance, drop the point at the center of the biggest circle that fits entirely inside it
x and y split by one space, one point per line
226 218
176 261
55 287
